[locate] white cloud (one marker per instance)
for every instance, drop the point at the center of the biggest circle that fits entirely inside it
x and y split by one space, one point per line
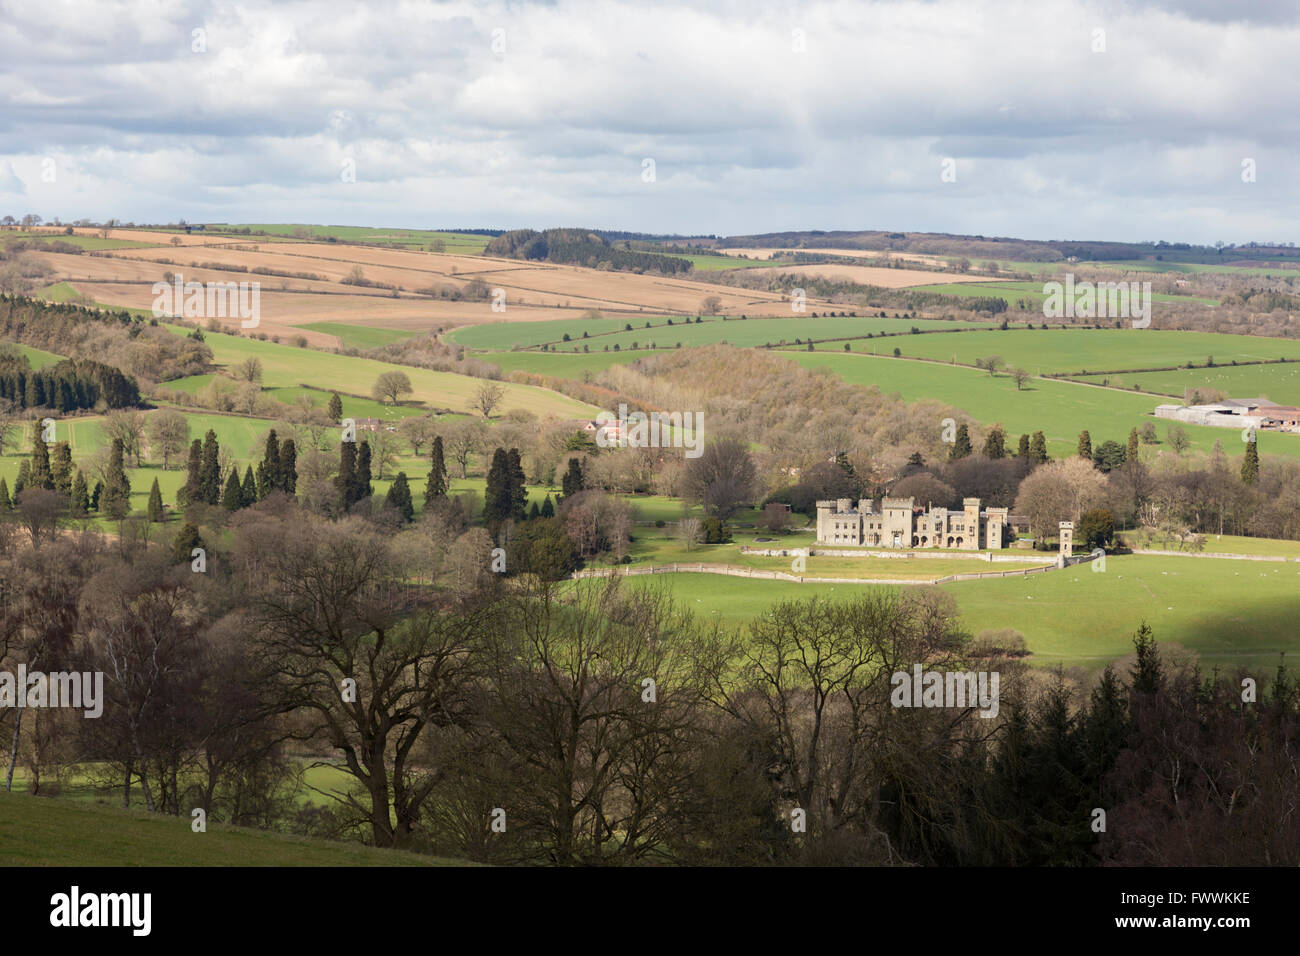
1052 139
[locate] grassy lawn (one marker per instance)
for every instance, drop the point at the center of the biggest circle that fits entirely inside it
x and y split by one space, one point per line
711 331
1059 409
285 365
455 242
1030 291
1279 382
89 243
1229 612
57 832
1221 543
359 336
1053 350
555 364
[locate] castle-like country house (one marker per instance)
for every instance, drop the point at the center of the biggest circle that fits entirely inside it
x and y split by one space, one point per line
901 524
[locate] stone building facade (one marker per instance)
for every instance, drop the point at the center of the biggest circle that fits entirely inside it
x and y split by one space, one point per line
899 523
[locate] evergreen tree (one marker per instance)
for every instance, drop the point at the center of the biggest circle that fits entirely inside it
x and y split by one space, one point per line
289 467
548 509
336 408
62 468
232 499
498 499
155 510
573 480
961 448
248 493
24 472
1147 675
1131 451
116 498
6 503
533 511
363 489
1022 449
1084 448
191 492
96 495
186 542
399 497
436 485
1250 464
210 470
80 498
346 482
40 475
518 489
271 472
995 446
1038 449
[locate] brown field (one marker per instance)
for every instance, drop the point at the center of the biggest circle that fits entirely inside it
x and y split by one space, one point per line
885 277
533 291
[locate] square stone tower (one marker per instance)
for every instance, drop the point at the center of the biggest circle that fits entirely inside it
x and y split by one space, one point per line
995 528
1067 542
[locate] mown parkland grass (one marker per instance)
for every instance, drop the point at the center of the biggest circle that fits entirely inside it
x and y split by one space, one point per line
1059 409
359 336
285 365
1072 350
711 331
1228 612
40 832
1279 382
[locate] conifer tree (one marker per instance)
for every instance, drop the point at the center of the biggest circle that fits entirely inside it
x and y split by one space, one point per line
1131 451
436 485
573 480
271 476
399 497
363 489
248 492
210 469
6 503
24 472
289 467
40 476
336 408
548 509
62 468
1250 464
995 446
1038 449
191 492
232 499
96 495
518 489
346 482
155 509
80 498
497 498
1084 448
115 501
186 542
961 447
1022 448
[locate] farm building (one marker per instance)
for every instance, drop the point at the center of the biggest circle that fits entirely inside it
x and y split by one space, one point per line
1229 413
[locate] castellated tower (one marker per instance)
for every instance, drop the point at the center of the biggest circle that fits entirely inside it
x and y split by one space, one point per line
1067 542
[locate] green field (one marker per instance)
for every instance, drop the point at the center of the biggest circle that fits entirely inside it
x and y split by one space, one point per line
1030 291
507 335
557 364
1229 612
285 365
359 336
455 242
1278 382
38 358
1220 543
1058 409
1057 350
56 832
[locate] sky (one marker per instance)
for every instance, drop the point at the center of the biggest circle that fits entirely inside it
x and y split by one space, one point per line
1046 119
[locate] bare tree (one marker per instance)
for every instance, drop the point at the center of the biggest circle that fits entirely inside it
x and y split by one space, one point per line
688 530
169 434
488 397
